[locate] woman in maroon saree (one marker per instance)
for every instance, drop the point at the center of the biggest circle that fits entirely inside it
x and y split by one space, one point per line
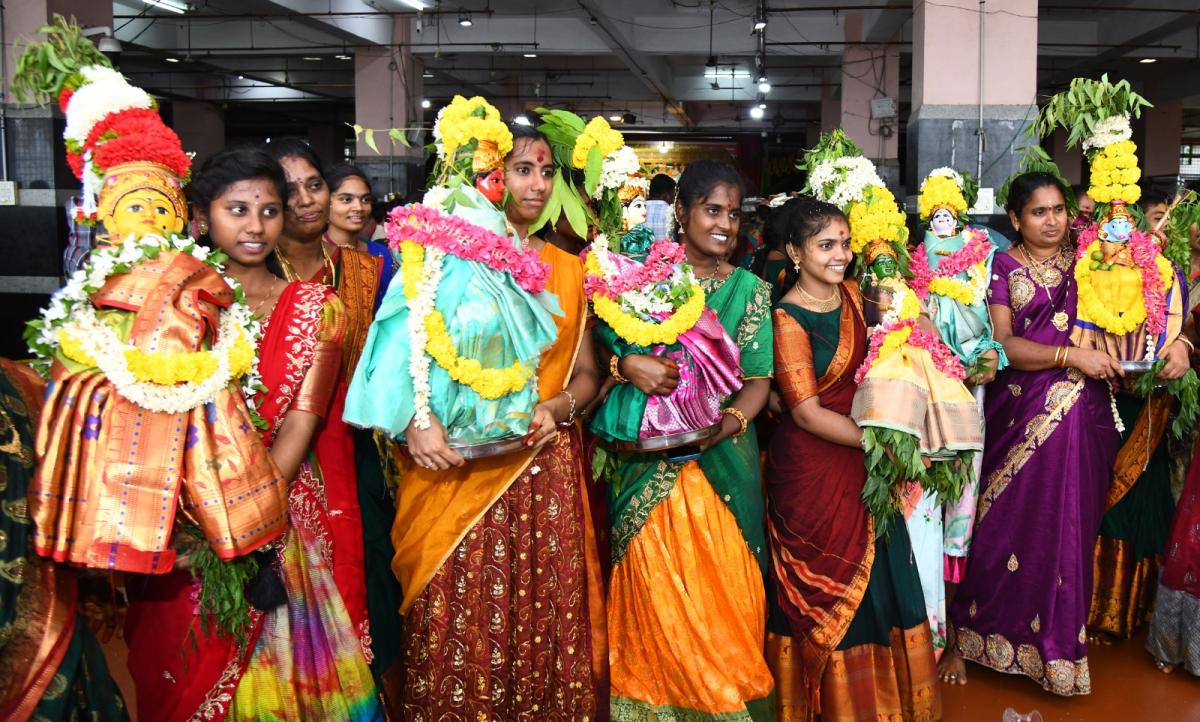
303 657
848 637
1051 442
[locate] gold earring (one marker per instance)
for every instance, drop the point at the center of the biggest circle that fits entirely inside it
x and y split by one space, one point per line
202 227
796 265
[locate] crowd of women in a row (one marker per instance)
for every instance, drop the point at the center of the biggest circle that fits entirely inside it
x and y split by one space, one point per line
532 588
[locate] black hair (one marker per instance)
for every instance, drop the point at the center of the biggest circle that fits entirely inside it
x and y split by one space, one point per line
1152 196
335 175
795 222
227 167
1023 186
1079 190
700 178
520 130
662 187
293 148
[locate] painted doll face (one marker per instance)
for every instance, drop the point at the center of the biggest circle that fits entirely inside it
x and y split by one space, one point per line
142 212
635 213
943 224
1116 230
884 266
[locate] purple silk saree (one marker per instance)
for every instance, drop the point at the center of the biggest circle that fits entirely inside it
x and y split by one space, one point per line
1051 442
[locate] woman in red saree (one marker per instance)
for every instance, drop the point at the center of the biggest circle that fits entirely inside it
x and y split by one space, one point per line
848 638
303 658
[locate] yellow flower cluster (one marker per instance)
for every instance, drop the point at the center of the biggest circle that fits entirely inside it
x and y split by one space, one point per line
953 289
596 133
465 120
894 340
648 333
875 218
1113 299
910 307
939 191
1115 174
488 383
168 369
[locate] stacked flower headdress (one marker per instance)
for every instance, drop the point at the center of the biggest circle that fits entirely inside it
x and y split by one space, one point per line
943 188
471 141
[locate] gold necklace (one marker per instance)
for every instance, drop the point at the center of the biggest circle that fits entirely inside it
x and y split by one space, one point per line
330 241
1060 318
821 305
270 294
289 271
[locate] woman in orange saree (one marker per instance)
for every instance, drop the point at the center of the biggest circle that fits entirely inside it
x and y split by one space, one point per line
849 637
302 657
503 607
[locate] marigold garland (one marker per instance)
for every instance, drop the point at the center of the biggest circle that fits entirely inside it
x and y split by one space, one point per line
1115 174
596 133
1156 278
650 333
489 383
939 191
943 281
876 217
464 120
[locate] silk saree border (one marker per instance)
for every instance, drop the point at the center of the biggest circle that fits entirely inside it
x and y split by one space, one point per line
1060 400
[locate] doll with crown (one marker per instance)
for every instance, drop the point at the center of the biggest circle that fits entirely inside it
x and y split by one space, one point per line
456 342
920 423
644 295
148 351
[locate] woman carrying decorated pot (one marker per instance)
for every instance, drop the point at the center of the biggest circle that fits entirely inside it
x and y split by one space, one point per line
687 607
951 272
1023 603
297 652
491 551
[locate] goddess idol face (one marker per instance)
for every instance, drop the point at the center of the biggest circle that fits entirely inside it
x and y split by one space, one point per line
1116 229
141 212
635 212
943 224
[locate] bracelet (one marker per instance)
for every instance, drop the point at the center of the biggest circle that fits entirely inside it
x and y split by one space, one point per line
570 414
612 369
1191 346
1066 352
1058 357
735 413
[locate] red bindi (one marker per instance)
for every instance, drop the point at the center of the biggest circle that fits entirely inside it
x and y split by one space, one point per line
541 156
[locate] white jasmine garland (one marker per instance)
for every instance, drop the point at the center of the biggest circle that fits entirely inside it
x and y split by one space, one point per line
104 91
436 197
71 311
1112 129
616 170
418 309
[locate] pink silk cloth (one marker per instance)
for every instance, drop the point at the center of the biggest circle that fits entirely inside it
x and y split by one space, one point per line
111 474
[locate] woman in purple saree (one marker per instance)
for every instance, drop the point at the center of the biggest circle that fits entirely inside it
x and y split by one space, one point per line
1051 442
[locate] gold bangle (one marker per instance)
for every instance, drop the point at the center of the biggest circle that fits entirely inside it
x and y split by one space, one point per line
735 413
1191 346
1066 352
1057 357
612 369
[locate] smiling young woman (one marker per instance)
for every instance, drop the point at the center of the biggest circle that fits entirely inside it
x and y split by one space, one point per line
317 590
349 217
687 607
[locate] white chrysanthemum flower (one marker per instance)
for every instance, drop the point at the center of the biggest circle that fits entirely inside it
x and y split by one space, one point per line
949 173
95 100
436 197
617 168
842 181
1112 129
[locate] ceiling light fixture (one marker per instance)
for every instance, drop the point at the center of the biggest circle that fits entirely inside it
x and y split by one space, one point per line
1147 61
168 5
760 23
522 120
311 57
342 57
415 4
464 19
241 77
757 112
628 118
764 85
614 118
426 104
172 60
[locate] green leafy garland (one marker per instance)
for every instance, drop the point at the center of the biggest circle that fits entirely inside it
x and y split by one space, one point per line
893 458
223 606
1035 160
1186 389
45 68
1182 217
1085 103
563 128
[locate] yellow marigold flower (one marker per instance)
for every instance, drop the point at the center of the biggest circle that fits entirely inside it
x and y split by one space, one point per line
940 191
648 333
464 120
596 133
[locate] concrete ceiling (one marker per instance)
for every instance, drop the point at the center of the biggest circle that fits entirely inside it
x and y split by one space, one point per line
646 57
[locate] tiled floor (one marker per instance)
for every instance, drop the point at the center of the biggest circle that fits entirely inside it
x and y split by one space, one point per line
1126 687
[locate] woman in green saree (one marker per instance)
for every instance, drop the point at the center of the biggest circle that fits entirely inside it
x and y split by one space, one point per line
687 609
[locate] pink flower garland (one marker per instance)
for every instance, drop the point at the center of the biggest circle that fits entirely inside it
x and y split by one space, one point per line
944 359
430 227
973 252
660 262
1144 251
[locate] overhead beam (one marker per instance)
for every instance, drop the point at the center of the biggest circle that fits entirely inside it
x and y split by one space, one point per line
651 71
1185 19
